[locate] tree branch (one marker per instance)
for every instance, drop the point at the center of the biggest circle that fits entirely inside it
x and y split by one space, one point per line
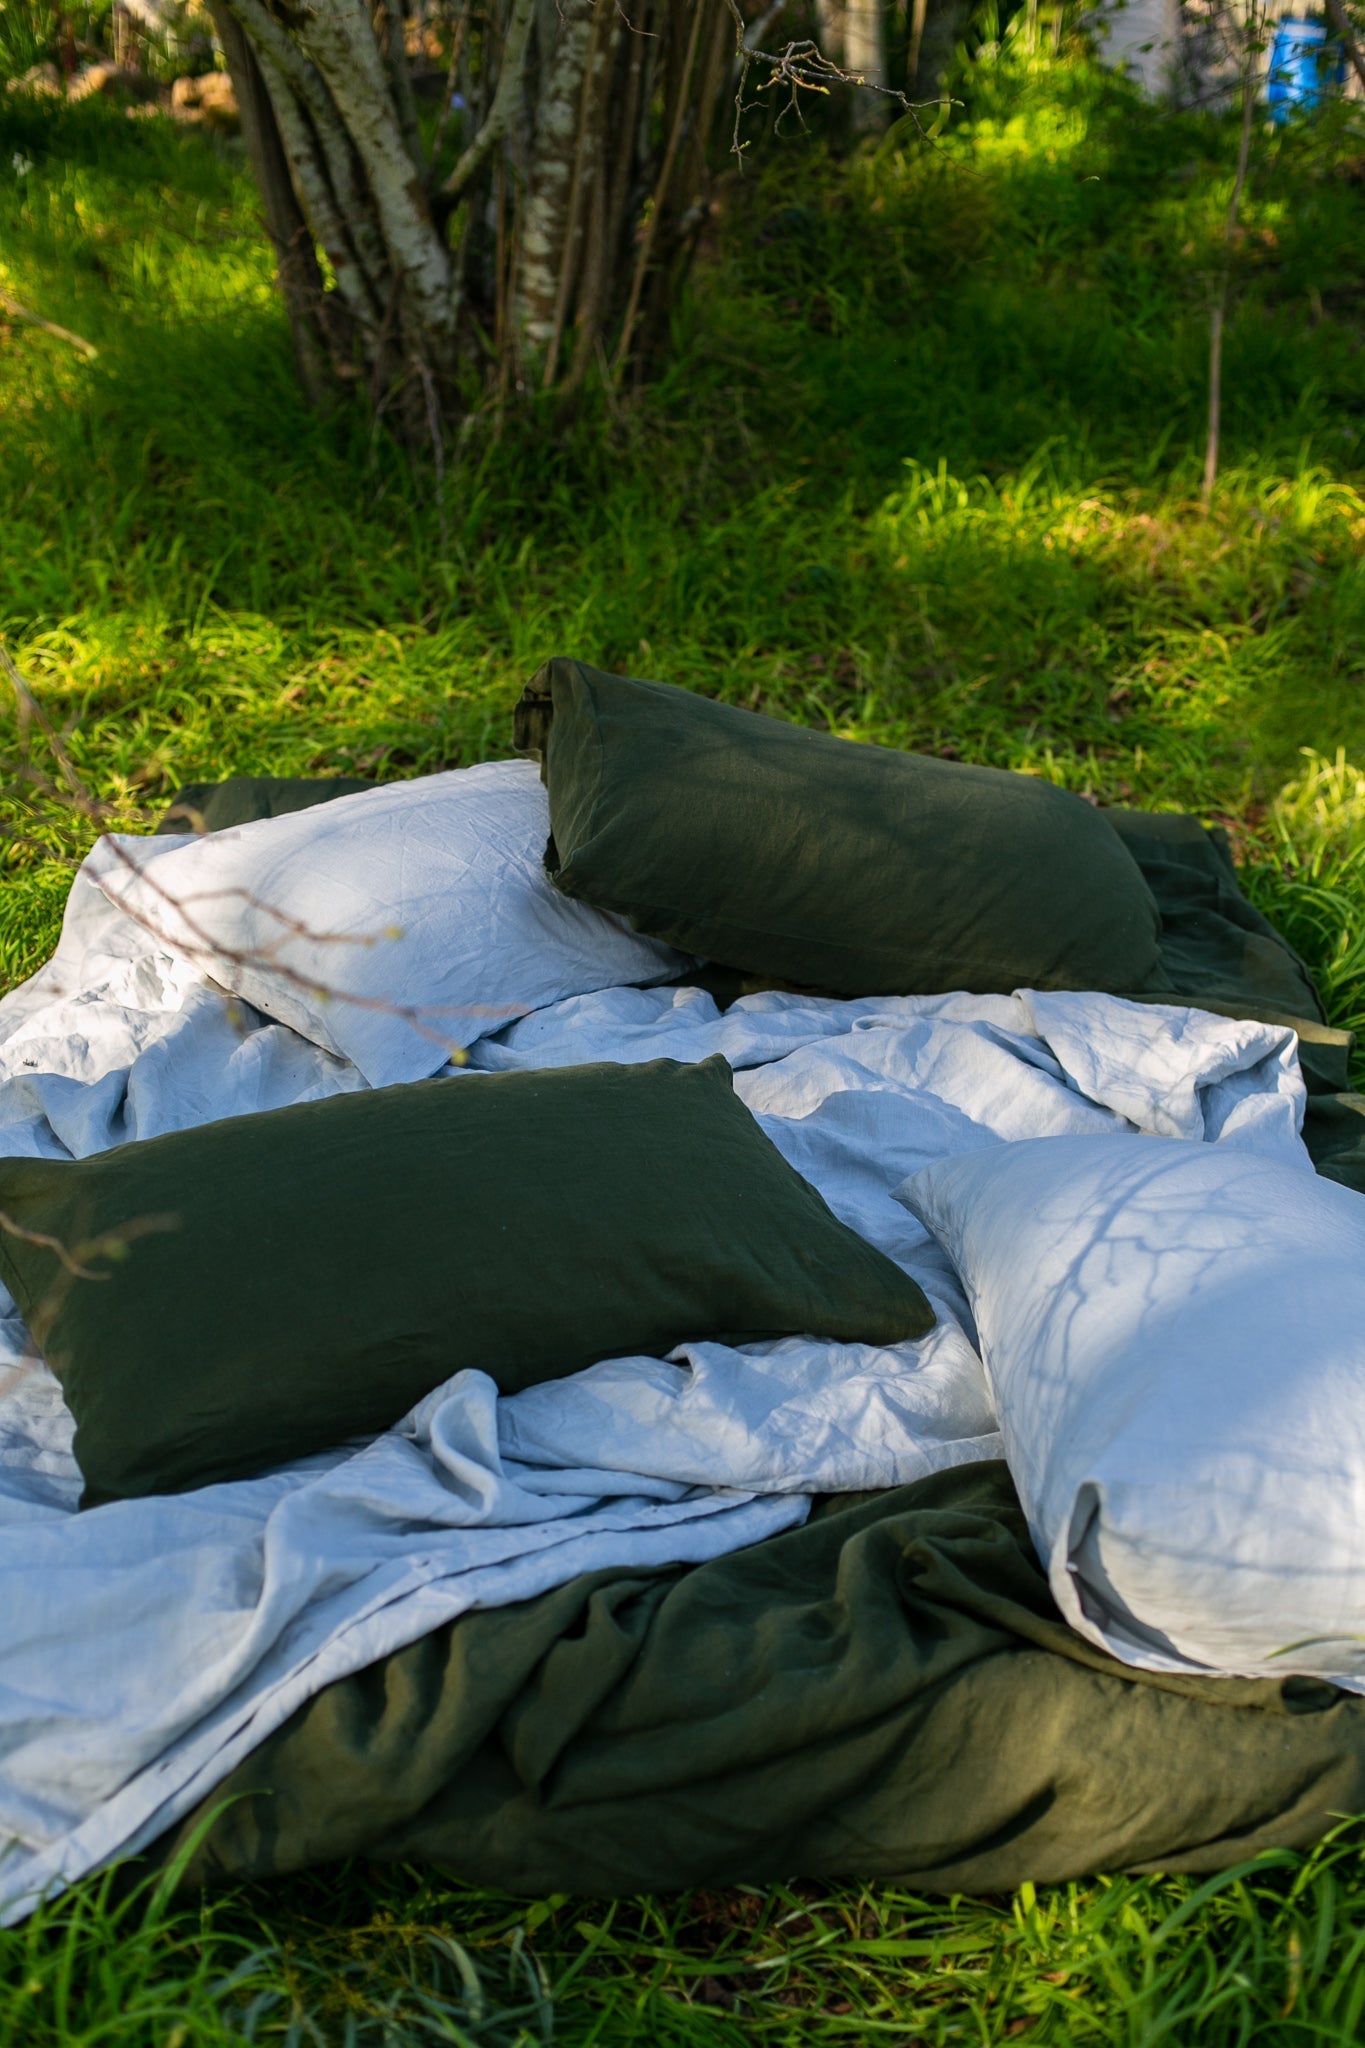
1343 26
362 243
647 237
400 79
340 38
504 99
313 332
1250 31
32 319
193 941
360 291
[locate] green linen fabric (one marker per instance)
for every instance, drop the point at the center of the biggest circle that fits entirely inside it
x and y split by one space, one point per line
1219 953
213 806
1213 942
888 1692
823 863
1334 1132
337 1260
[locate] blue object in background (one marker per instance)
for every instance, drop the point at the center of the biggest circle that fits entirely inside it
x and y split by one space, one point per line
1304 68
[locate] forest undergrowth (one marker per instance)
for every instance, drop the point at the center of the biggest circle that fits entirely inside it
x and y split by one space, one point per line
923 469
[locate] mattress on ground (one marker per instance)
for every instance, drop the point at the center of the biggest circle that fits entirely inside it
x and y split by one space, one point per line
888 1691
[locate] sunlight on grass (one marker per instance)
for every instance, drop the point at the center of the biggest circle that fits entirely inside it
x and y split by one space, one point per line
1269 1951
1314 887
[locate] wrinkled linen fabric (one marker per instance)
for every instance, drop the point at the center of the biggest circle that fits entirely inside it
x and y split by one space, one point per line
151 1644
1172 1335
392 926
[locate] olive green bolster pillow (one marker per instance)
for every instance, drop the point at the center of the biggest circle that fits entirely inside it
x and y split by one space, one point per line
823 862
241 799
223 1299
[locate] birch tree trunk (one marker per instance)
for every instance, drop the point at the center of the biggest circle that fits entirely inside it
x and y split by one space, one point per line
475 193
853 36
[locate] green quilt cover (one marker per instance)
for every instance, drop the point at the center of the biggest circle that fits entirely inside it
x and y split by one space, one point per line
887 1692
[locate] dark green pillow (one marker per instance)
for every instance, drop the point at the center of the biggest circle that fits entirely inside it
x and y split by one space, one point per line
821 862
1215 945
295 1278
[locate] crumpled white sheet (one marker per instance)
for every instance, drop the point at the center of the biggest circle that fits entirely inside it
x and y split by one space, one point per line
148 1645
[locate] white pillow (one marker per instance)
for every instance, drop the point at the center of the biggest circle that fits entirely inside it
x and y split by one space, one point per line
1174 1334
394 926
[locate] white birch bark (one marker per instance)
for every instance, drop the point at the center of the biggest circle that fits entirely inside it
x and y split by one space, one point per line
532 247
829 20
562 68
865 59
329 145
339 36
315 191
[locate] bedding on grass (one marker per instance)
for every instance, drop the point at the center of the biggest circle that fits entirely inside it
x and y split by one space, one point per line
353 1254
826 863
155 1646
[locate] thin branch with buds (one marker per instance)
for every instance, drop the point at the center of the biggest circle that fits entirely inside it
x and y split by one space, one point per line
174 925
802 67
110 1244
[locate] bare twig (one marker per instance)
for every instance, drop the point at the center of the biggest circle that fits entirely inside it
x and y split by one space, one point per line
31 710
801 67
32 319
203 949
1216 320
195 943
666 172
110 1244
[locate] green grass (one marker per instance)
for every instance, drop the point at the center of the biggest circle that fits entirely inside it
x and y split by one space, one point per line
923 469
1271 1952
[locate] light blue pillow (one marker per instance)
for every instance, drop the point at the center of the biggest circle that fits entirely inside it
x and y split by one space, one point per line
1174 1335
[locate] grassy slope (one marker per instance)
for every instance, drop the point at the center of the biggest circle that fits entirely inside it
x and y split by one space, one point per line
925 471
